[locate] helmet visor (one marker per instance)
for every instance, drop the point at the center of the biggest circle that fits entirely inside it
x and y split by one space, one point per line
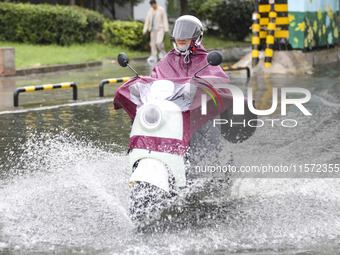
185 30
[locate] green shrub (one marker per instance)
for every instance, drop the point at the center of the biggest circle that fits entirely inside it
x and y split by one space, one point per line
125 33
48 24
234 18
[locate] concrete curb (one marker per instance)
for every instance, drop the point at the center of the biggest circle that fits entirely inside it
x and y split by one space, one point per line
56 68
293 61
140 58
323 56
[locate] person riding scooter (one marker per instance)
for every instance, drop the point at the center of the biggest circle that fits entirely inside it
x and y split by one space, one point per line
169 130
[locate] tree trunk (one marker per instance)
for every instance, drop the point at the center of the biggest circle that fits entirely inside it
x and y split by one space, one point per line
184 7
131 6
110 5
72 2
113 11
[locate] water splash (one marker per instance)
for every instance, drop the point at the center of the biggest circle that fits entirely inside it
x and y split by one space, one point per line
64 191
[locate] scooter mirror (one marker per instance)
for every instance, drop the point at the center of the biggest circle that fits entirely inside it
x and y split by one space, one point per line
214 58
123 59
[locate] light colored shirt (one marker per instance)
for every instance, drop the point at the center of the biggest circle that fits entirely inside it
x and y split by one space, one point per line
153 27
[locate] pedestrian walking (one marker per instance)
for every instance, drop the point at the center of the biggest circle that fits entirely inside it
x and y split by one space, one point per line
157 23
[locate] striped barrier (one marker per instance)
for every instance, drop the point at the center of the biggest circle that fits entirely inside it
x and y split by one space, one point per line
45 87
110 81
237 68
270 40
255 41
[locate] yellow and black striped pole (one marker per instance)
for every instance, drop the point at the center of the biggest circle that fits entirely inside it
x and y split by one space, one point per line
110 81
255 41
270 35
45 87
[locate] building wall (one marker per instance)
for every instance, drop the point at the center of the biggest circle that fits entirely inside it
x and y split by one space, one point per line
313 23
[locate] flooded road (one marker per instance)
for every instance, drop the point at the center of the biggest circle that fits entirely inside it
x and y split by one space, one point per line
64 175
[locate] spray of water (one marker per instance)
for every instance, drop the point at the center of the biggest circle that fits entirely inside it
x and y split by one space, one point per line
63 190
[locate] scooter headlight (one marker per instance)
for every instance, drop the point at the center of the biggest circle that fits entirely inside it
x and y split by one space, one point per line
151 117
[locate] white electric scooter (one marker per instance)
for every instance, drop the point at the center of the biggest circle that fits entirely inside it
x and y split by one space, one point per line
159 141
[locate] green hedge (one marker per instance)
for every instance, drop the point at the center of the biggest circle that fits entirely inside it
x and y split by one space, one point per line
125 33
48 24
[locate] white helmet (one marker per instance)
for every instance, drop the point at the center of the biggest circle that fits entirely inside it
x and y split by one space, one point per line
187 27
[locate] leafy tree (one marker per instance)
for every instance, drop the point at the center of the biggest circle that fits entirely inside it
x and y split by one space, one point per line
110 6
203 9
184 7
234 18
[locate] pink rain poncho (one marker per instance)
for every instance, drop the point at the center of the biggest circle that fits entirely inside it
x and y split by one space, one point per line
133 94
